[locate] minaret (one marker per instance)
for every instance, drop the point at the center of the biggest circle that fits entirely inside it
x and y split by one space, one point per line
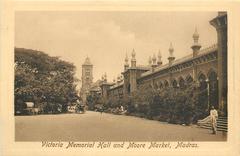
133 60
105 77
133 73
104 86
102 78
171 58
150 61
154 61
196 46
159 62
126 65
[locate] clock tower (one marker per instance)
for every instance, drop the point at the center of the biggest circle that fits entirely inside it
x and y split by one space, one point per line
87 78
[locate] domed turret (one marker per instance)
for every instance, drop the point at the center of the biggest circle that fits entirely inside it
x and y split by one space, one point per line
154 59
133 54
150 60
159 62
196 46
171 58
195 36
126 65
105 77
171 50
126 59
133 60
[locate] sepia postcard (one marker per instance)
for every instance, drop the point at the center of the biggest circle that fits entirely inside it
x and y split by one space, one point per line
124 78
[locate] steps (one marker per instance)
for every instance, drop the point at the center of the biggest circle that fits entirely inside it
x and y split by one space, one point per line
222 123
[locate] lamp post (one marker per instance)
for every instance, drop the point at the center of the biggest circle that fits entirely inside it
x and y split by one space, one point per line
208 93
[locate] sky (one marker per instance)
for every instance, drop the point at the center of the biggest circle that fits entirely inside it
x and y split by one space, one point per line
106 37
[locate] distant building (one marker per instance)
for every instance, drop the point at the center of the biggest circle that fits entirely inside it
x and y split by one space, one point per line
95 88
87 78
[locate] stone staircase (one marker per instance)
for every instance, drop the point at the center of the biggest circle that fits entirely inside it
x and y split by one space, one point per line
222 123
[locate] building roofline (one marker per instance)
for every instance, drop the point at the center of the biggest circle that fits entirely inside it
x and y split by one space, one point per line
189 57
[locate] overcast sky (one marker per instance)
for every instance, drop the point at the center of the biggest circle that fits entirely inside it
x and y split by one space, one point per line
106 37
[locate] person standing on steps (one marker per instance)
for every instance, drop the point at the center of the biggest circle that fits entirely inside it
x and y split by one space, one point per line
214 116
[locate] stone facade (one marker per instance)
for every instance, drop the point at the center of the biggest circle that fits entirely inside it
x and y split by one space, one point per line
206 67
220 23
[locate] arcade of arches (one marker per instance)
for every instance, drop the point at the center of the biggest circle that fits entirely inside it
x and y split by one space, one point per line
207 87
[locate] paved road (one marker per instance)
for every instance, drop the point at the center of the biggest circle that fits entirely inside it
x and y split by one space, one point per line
94 126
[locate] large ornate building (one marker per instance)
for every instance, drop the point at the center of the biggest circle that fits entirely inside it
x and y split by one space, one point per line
206 67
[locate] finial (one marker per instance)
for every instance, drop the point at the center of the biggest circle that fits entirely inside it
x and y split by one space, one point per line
171 49
133 54
196 46
105 76
133 60
150 60
159 54
159 62
126 59
154 59
195 35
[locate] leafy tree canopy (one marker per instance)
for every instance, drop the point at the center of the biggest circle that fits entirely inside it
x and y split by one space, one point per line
43 79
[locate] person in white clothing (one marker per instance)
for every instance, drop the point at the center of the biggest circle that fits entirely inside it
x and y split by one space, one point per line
214 116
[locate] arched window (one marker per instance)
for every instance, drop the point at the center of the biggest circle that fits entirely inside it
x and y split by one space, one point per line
181 83
203 91
189 79
166 84
174 84
161 85
213 89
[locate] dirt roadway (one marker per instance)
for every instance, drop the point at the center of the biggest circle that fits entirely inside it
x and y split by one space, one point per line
94 126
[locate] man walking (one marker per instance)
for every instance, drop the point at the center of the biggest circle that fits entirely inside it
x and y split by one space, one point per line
214 116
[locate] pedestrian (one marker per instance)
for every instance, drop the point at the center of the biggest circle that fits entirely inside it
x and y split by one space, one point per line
121 109
214 116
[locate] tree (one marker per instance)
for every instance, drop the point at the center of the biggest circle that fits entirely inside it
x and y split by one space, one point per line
47 81
172 104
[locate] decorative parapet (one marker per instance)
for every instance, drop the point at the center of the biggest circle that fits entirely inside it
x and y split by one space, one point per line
209 49
189 57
